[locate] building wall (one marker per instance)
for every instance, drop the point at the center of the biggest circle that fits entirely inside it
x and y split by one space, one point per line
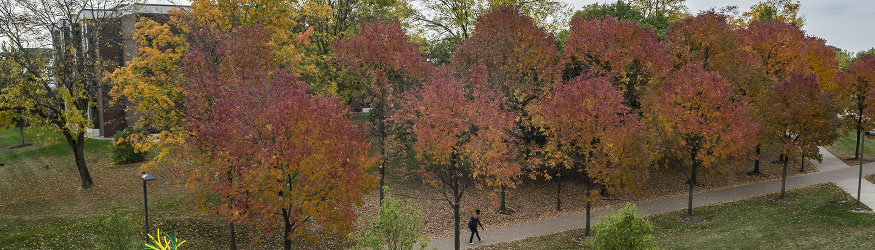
117 48
111 115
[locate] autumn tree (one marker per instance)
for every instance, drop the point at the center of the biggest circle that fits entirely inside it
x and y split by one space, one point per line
709 39
521 62
706 38
153 81
778 49
276 156
774 50
803 117
333 20
449 22
389 64
628 55
591 131
57 92
699 119
855 97
460 137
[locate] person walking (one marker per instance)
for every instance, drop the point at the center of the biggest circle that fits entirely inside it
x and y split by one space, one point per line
472 224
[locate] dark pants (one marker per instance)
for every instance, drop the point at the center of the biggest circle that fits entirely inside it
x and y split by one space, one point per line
473 232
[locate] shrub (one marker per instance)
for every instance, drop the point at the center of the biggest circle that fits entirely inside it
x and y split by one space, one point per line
622 229
397 227
115 231
122 149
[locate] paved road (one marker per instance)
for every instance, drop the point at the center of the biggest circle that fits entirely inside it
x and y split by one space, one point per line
829 173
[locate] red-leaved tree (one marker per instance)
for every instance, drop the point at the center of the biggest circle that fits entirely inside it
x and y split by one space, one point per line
382 56
802 118
521 61
591 131
460 136
629 55
774 50
274 156
699 119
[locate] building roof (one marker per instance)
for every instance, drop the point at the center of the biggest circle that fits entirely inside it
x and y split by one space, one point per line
123 10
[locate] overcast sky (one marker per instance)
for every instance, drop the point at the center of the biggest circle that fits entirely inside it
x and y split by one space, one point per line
847 24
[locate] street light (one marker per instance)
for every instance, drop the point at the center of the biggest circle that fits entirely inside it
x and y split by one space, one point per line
146 177
860 181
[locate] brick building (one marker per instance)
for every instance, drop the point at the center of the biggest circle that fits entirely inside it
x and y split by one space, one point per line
116 47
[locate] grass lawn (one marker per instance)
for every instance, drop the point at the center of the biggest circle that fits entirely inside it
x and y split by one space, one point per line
816 218
42 207
11 138
844 148
871 178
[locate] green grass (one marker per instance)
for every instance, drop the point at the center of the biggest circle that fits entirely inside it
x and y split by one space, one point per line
871 178
844 147
816 218
60 147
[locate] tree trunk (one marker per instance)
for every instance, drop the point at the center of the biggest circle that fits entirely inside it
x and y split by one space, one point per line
502 208
287 242
558 191
233 242
588 205
79 154
456 227
382 179
802 168
756 163
21 132
784 175
692 183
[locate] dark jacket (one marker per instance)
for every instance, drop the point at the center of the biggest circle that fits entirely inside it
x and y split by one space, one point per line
473 223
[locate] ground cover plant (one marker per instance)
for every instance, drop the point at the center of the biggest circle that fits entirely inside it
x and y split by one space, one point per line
756 223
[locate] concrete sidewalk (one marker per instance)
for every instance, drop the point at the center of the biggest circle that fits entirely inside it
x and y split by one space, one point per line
830 161
867 194
831 173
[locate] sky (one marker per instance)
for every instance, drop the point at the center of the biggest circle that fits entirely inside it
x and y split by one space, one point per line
846 24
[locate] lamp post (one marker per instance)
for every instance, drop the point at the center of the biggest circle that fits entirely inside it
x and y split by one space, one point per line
860 181
146 177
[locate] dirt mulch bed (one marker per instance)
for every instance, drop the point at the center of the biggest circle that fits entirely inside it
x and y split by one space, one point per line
536 200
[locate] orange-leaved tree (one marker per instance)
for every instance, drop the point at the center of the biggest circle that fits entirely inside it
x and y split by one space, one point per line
774 50
521 61
273 155
460 138
389 64
706 38
802 118
591 131
701 121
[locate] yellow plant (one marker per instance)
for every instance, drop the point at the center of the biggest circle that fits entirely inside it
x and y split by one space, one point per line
167 242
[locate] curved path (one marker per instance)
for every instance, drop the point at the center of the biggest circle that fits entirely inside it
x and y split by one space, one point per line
831 170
